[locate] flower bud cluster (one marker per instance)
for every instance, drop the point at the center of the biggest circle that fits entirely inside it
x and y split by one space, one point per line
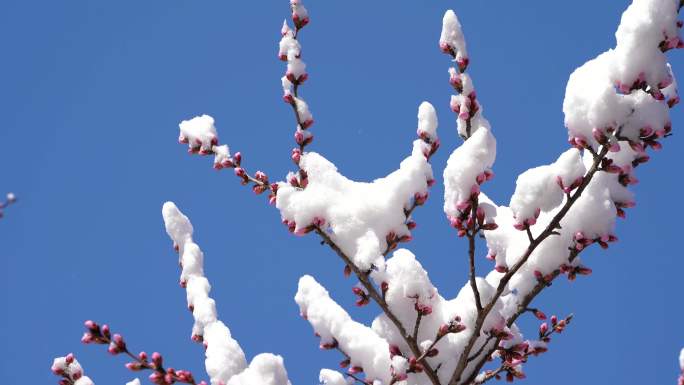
581 241
96 334
70 371
472 217
290 51
10 199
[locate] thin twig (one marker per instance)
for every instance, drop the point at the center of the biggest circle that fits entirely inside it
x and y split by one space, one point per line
463 360
373 293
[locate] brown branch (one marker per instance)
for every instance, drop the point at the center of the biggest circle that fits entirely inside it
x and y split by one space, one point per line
373 293
484 345
417 326
548 231
471 257
522 308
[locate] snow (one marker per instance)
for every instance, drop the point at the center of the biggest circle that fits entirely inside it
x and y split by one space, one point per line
541 188
331 377
72 370
599 94
225 361
288 48
363 346
265 369
222 156
199 132
358 215
427 121
452 35
472 159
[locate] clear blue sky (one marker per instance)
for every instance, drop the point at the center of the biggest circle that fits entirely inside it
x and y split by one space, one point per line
91 94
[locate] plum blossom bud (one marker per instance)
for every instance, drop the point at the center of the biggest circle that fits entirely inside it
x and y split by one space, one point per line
394 351
423 309
296 155
157 360
420 198
543 328
600 136
355 370
134 366
443 329
300 16
539 314
92 326
329 345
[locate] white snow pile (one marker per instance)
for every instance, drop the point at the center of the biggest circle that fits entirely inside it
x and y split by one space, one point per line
359 215
467 167
541 188
70 368
427 121
452 36
602 94
200 135
363 346
599 110
225 361
199 132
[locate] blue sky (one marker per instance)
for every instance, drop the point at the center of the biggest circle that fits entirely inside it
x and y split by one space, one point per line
91 94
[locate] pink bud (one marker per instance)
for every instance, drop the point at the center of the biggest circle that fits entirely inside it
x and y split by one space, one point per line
444 47
543 328
355 369
443 329
420 198
157 378
463 206
539 314
394 350
134 366
599 136
87 338
157 359
92 326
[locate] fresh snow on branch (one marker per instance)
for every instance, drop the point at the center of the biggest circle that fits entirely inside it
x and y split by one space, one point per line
70 370
225 361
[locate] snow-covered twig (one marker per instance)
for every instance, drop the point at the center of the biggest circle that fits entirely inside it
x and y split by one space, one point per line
10 199
70 371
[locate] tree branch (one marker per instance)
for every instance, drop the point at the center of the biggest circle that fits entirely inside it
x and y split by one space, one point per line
555 222
373 293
